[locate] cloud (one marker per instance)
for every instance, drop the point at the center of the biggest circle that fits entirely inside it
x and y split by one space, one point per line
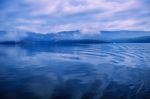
13 36
85 15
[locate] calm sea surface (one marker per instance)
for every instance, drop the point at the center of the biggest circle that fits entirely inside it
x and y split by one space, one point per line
96 71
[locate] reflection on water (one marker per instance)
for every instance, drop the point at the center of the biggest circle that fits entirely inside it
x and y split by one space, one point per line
105 71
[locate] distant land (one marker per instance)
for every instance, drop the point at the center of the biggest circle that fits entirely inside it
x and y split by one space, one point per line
69 37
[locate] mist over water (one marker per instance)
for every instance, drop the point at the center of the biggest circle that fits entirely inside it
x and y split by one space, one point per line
74 49
84 71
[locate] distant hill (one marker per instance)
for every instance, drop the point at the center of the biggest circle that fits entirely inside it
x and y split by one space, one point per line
144 39
124 34
69 37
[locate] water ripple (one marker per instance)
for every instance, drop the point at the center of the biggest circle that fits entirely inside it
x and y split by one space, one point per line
105 71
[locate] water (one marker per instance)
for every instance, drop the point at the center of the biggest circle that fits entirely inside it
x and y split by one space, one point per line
94 71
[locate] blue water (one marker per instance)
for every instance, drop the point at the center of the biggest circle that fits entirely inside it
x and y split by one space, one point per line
94 71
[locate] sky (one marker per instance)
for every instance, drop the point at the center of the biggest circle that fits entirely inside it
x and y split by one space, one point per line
89 16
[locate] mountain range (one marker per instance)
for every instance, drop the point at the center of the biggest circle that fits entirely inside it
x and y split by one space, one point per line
69 37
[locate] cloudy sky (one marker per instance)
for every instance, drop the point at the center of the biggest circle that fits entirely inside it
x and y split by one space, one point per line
64 15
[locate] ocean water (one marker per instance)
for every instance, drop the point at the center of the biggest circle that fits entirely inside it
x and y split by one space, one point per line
83 71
